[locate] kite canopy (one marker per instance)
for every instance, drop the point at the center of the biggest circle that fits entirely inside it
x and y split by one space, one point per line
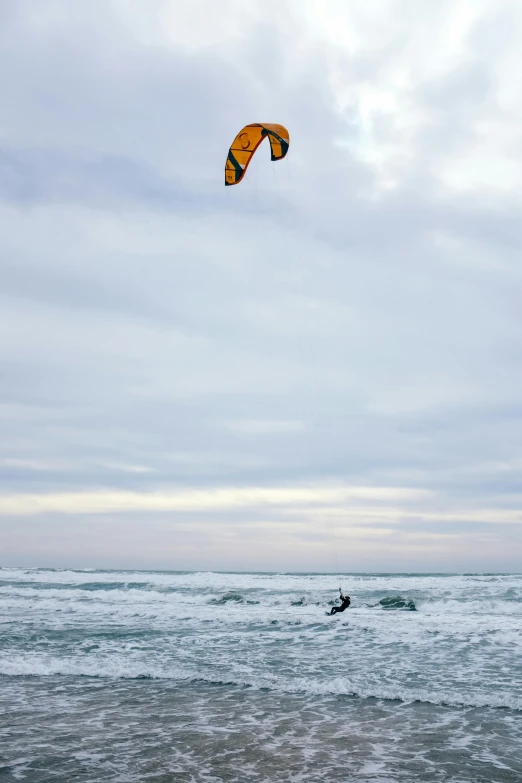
246 143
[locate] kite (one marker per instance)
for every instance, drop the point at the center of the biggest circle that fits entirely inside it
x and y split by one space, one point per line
246 143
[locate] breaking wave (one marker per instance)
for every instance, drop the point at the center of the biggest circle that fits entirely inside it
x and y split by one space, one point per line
339 686
398 602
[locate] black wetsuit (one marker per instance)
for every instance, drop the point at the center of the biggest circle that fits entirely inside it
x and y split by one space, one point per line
344 605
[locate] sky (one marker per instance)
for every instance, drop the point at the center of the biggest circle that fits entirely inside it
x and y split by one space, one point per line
316 370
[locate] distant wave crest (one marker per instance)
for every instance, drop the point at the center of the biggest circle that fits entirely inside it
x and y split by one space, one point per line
398 602
227 598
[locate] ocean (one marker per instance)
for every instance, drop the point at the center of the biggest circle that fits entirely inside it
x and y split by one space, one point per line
234 677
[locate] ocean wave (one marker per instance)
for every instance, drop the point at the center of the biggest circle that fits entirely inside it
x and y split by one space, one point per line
490 606
478 594
236 598
127 594
398 602
313 687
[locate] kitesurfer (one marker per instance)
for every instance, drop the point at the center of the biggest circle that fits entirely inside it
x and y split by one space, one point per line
345 603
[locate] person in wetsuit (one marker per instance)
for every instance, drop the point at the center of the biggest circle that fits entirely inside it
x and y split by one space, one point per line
345 603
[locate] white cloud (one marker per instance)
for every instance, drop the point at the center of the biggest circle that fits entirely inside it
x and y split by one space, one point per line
211 499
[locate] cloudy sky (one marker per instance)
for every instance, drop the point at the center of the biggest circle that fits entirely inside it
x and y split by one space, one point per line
320 368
